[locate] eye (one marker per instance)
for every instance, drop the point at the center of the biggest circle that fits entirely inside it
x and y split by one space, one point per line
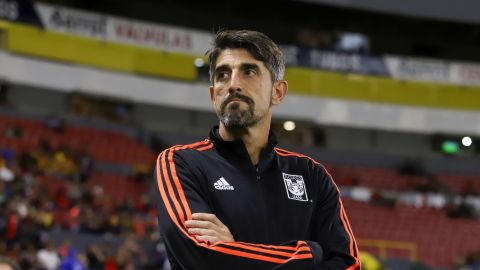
250 71
221 75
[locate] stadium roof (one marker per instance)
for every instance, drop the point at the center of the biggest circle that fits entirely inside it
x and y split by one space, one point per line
458 10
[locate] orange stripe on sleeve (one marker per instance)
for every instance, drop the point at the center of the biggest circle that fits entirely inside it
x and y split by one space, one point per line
273 252
344 215
163 194
165 200
171 192
353 246
349 227
177 181
299 244
179 188
205 147
262 257
286 153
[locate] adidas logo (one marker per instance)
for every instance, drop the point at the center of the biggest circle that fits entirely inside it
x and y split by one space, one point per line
222 184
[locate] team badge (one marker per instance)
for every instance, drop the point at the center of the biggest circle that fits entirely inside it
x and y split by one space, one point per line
295 187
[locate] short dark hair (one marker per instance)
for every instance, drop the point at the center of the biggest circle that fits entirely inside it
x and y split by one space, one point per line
258 44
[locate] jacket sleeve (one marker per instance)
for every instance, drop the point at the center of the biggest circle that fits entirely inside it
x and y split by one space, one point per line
331 228
179 195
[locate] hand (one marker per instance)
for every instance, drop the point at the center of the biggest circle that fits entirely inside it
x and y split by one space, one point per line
207 227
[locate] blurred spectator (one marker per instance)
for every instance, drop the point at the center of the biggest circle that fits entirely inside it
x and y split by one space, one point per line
111 263
6 174
45 147
94 221
8 155
55 123
95 257
27 162
351 42
131 254
471 261
11 227
370 262
350 180
14 132
85 163
142 172
28 258
8 264
62 165
3 194
380 199
48 257
63 249
71 261
7 162
463 210
161 256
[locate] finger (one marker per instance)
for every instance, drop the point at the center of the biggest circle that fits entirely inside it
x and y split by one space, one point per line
204 216
204 232
199 224
209 239
207 216
220 236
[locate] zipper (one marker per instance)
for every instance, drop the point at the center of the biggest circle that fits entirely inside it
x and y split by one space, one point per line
263 205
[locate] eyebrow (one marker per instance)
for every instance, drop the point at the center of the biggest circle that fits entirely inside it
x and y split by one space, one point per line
221 68
250 66
243 66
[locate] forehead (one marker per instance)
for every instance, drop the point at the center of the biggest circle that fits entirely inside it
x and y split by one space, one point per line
236 57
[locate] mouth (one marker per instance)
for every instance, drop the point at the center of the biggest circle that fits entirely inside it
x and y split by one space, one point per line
237 101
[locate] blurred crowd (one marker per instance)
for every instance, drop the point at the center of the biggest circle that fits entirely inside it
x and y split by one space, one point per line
430 193
30 210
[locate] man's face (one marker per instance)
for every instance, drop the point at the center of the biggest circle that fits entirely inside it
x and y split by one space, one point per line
242 90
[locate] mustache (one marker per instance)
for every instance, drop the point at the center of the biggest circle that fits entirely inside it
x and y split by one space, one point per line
237 96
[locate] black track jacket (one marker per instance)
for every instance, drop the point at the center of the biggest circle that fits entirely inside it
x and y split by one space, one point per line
284 213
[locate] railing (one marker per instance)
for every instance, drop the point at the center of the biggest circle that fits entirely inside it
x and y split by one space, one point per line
384 246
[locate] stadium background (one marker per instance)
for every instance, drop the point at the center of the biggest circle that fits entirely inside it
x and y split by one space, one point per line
386 95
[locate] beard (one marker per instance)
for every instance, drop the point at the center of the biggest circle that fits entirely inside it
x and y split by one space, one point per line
235 118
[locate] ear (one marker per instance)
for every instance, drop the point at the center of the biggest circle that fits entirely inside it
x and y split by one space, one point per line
212 94
280 89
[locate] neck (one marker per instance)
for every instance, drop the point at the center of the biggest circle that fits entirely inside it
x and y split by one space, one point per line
255 138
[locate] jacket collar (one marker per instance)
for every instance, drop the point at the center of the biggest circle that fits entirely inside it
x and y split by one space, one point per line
237 149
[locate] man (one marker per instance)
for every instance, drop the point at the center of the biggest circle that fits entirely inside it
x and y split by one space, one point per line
48 256
235 201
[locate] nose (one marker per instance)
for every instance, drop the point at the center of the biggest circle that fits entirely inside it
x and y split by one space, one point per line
235 83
